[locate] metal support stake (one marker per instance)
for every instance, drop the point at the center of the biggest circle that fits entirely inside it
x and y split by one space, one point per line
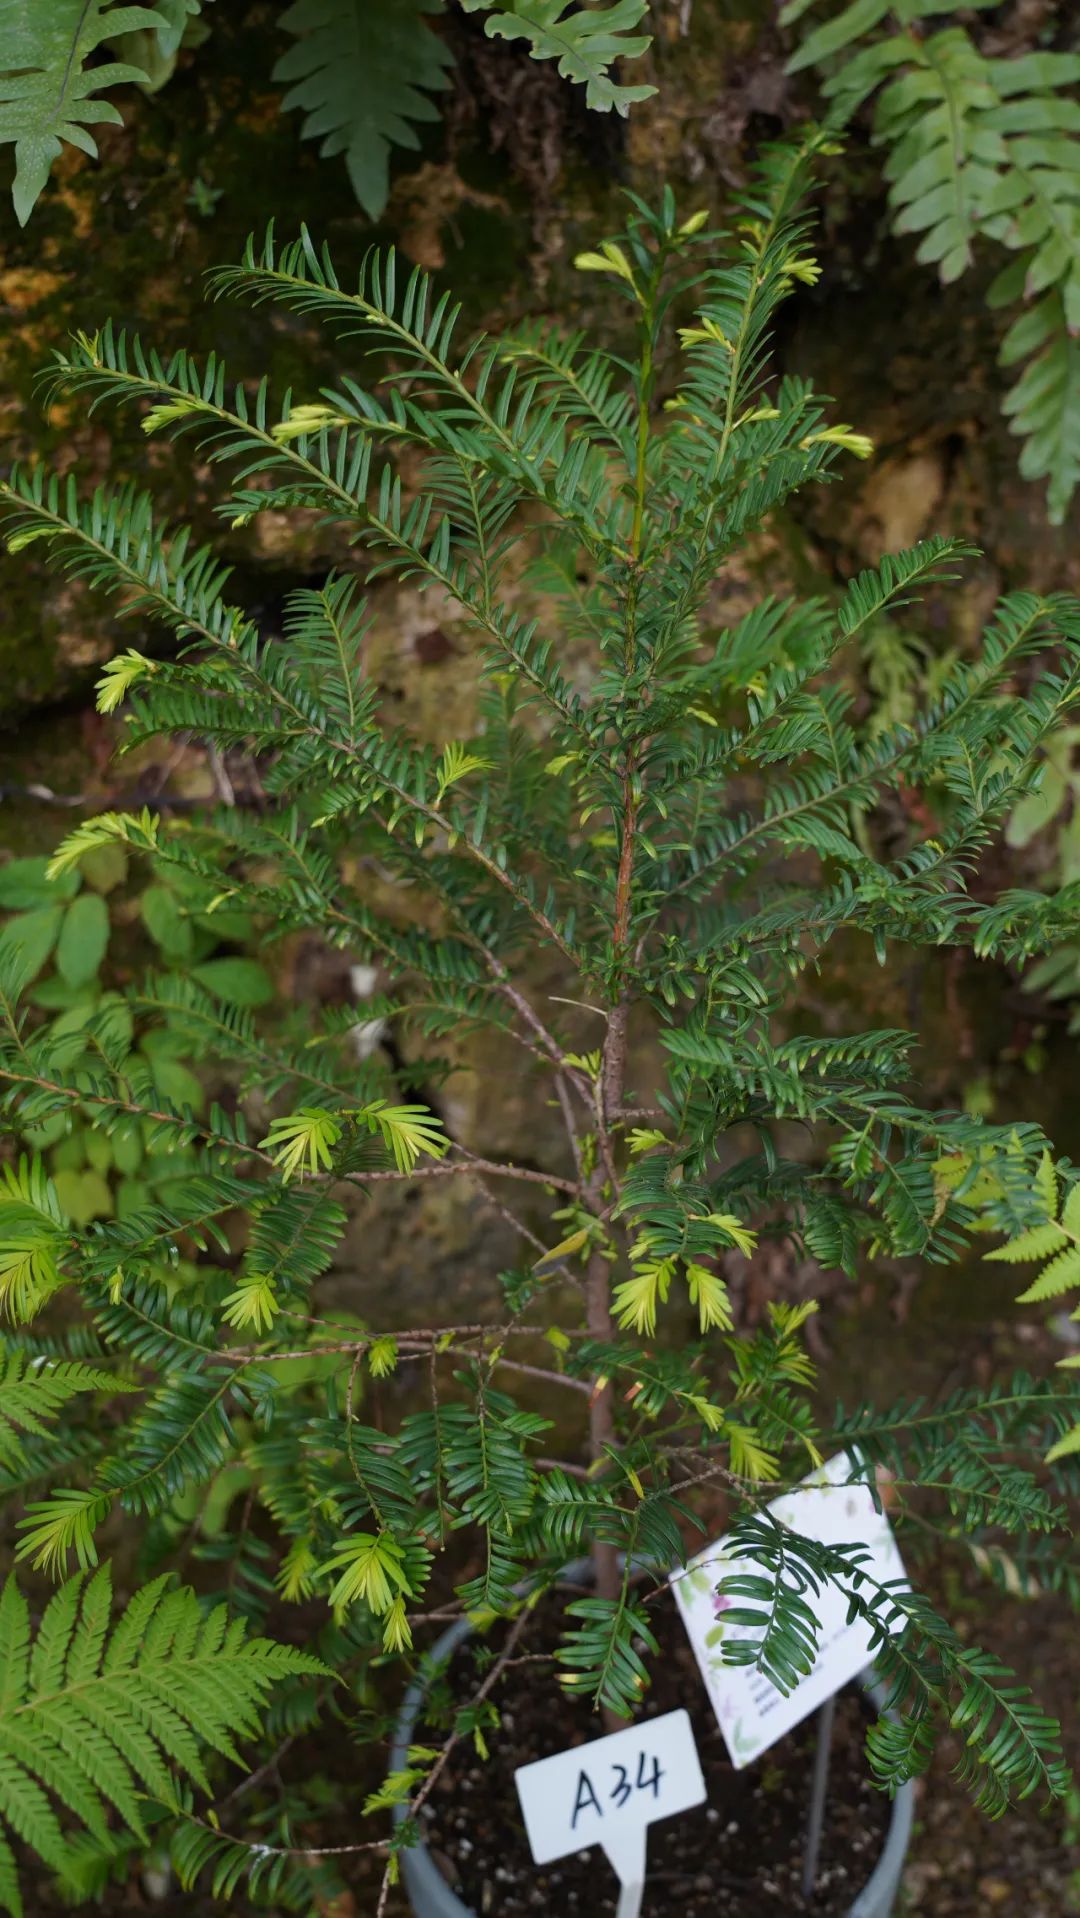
818 1788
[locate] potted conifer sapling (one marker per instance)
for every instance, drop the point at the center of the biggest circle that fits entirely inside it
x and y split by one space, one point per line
681 813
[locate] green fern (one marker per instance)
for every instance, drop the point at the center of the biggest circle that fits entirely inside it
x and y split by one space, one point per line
1053 1241
1044 404
49 85
93 1720
585 41
979 150
363 72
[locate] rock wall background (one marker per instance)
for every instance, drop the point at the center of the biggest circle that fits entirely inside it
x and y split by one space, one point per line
505 191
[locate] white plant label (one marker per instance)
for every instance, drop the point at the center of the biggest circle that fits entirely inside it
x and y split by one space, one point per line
751 1712
608 1793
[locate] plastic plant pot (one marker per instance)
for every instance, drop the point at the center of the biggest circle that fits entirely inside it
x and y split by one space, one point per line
431 1896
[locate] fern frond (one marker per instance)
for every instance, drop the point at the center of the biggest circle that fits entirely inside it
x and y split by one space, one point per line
1043 405
586 41
979 150
363 72
91 1718
49 82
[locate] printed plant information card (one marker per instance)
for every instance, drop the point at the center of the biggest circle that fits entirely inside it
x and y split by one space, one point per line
752 1713
607 1793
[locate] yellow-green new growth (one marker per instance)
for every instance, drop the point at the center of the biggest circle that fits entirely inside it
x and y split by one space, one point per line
118 676
610 259
303 1142
307 419
852 442
252 1305
32 1239
139 831
456 763
371 1571
167 412
409 1132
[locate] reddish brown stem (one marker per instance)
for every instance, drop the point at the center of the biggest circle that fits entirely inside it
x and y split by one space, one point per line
606 1572
601 1402
607 1578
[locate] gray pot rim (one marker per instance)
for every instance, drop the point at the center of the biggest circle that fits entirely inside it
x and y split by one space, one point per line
432 1897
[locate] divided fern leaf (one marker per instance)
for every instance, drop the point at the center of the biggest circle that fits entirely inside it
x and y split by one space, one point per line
92 1719
1055 1240
585 41
981 151
1043 405
50 83
363 73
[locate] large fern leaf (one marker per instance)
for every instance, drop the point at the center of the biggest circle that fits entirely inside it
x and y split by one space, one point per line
1043 407
49 89
979 150
363 72
942 156
586 42
1034 211
1034 206
92 1720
